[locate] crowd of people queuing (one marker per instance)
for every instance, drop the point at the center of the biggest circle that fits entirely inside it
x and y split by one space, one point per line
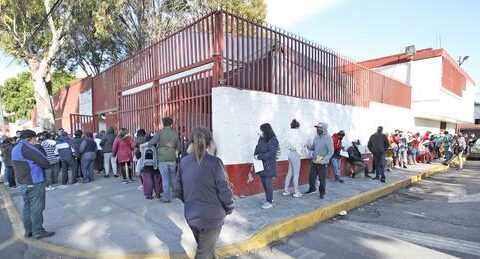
172 166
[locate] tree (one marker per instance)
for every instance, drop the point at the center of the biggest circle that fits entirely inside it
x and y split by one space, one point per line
25 35
18 97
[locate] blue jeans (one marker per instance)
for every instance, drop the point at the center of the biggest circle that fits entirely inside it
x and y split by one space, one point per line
88 170
379 161
33 207
267 186
336 166
73 165
167 170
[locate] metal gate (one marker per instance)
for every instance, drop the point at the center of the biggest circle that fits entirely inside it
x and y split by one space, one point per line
85 123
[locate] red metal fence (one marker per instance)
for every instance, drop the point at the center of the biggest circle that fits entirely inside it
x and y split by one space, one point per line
174 76
85 123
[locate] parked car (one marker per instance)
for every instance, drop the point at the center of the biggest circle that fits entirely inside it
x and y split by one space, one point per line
474 152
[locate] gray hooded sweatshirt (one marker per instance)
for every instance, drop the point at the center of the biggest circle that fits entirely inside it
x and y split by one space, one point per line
322 144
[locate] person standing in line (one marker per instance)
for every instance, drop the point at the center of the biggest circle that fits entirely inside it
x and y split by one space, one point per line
77 140
378 145
168 146
267 150
122 150
108 159
88 154
462 145
336 158
293 144
29 164
140 138
7 146
66 151
97 137
202 185
322 148
51 173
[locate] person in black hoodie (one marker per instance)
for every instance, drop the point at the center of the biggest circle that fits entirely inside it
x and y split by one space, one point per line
378 145
355 159
77 140
107 144
7 145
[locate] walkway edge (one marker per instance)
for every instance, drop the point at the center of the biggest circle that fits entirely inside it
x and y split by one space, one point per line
277 231
264 237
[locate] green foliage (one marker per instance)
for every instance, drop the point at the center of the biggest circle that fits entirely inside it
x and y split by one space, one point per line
18 96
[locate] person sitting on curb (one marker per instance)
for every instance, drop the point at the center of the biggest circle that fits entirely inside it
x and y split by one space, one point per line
355 159
29 164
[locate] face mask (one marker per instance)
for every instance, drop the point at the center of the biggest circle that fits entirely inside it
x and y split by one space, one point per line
319 131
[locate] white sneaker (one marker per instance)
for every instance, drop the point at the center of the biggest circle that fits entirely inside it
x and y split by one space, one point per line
267 205
50 188
286 193
297 195
140 188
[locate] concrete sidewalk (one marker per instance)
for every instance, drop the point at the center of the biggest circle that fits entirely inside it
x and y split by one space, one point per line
106 218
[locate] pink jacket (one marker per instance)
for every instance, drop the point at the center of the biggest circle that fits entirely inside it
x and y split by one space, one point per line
122 149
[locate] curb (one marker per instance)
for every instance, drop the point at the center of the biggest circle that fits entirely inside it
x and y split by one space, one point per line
264 237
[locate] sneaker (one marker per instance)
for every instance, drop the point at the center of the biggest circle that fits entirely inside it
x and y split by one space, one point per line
158 196
106 176
149 197
382 180
28 235
267 205
162 200
115 175
322 196
376 178
297 195
50 188
124 181
43 234
404 166
286 193
310 192
130 181
340 180
140 188
77 183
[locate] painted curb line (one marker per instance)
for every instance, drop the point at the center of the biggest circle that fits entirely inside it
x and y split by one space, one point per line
264 237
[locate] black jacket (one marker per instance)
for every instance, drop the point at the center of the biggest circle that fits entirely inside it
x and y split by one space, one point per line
378 144
354 154
7 153
107 141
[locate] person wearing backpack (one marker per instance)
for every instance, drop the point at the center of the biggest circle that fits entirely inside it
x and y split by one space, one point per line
65 151
168 146
267 151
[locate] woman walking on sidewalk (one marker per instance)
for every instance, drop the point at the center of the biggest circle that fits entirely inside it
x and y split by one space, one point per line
267 151
202 184
122 150
293 145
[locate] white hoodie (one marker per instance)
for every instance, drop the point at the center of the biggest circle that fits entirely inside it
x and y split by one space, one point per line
293 141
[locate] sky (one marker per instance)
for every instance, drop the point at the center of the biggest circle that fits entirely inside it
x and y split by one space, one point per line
372 28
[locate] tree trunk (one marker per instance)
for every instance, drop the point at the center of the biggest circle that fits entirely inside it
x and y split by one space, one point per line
42 98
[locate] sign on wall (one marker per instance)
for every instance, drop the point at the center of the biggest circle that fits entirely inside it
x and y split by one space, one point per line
85 103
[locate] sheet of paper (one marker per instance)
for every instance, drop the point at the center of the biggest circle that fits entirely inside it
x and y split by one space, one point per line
343 153
258 165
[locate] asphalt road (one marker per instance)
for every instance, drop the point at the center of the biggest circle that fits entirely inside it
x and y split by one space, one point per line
13 248
437 218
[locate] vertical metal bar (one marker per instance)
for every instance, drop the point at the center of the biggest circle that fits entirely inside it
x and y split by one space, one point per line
218 47
227 50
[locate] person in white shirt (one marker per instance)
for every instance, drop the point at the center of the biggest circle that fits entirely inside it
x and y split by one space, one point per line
293 144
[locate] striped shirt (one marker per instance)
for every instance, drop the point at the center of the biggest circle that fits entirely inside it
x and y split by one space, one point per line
49 147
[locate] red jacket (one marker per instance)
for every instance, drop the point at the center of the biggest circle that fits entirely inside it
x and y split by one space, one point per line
122 149
337 143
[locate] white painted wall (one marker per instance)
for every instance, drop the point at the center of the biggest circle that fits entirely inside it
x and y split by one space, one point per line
429 99
238 114
423 125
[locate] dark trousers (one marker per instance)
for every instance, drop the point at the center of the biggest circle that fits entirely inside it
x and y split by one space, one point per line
88 170
206 240
267 187
11 176
126 169
379 163
320 171
33 207
51 174
72 164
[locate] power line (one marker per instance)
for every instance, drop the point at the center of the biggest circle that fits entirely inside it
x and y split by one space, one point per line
55 5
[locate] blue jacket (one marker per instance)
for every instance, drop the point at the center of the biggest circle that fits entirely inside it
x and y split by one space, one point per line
205 190
266 150
65 148
28 163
